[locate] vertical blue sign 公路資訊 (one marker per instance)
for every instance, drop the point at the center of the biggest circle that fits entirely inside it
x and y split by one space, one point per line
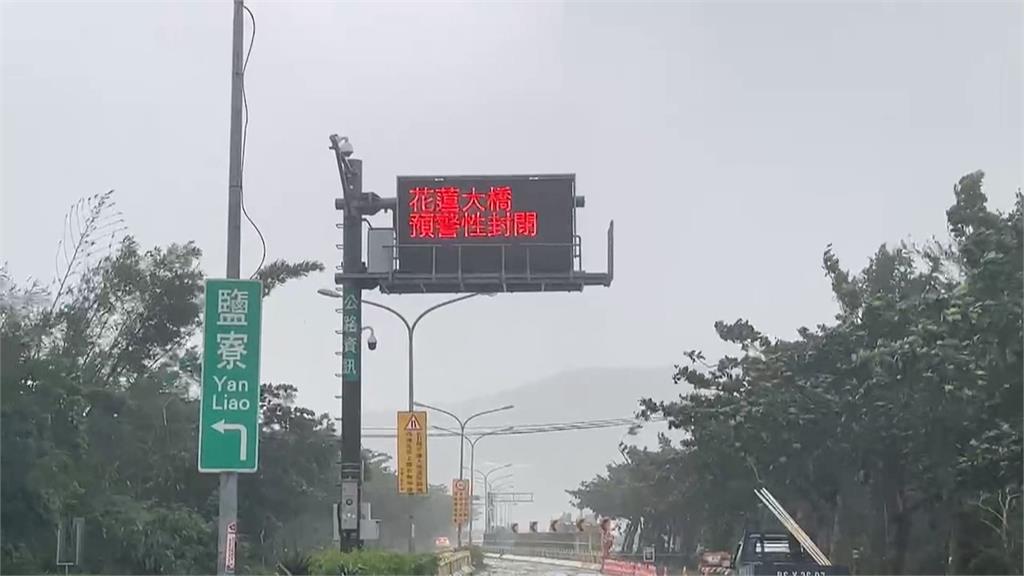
230 408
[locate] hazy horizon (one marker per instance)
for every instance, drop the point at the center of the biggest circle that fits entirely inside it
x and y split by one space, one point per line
731 143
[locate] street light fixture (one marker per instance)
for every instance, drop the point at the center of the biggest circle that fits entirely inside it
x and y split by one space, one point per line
489 486
472 465
489 482
410 327
462 434
501 508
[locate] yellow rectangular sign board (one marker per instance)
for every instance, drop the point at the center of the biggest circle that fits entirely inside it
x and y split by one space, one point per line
412 452
460 501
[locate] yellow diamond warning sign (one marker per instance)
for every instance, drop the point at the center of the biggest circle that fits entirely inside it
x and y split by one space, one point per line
412 452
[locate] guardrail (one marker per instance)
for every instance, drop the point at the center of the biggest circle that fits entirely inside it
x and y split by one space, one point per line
625 565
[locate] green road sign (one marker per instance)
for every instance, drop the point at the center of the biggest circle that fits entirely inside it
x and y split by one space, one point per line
230 410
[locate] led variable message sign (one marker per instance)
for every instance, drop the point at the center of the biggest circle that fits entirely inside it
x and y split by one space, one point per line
485 224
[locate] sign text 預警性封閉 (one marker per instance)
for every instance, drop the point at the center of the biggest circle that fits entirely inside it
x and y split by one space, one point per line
485 224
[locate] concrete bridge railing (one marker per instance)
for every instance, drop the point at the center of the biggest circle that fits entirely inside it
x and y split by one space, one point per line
541 549
454 563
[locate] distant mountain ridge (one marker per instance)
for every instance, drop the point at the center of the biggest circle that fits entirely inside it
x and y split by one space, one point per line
546 464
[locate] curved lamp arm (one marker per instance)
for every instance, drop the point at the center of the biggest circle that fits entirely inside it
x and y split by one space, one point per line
442 411
389 309
491 411
441 305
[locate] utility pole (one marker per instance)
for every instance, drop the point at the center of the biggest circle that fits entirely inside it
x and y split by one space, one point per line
351 173
228 492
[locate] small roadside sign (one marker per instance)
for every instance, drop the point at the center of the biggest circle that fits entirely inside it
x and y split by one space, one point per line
232 540
229 411
648 553
460 501
412 452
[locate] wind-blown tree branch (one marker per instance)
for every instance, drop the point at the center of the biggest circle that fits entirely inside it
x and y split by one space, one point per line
278 272
98 417
86 224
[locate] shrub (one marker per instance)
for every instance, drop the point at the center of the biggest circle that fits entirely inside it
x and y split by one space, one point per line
367 562
296 563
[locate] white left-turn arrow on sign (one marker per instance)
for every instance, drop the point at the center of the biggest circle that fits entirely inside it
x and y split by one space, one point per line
223 427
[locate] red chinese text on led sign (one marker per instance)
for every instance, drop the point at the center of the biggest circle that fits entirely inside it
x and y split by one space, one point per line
449 213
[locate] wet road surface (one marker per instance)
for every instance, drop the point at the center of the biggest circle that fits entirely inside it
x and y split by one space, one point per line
504 567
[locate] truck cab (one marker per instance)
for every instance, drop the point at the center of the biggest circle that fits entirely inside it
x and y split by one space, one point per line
777 554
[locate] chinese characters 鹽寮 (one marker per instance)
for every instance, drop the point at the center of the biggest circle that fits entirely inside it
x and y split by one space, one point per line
232 310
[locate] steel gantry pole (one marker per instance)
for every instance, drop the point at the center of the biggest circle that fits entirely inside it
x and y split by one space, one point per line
462 435
350 170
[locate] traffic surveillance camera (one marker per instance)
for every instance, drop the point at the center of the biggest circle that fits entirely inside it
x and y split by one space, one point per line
342 145
371 342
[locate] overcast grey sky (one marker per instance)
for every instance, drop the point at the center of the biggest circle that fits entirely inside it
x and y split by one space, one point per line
730 143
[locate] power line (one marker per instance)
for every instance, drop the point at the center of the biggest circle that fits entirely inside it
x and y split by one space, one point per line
388 432
487 429
245 135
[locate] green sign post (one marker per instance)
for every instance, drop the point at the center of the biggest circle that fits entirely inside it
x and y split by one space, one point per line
229 412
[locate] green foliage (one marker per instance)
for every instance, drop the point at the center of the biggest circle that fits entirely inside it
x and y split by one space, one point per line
364 562
432 511
148 538
99 418
278 272
296 563
895 431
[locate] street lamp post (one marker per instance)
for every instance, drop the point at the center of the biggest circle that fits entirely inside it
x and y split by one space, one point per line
410 328
488 489
472 469
501 508
462 435
493 487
